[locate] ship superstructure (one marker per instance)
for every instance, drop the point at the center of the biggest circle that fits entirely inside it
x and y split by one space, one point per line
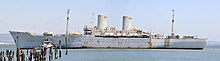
102 31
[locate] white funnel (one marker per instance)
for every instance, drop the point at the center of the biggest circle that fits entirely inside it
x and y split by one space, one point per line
102 22
126 25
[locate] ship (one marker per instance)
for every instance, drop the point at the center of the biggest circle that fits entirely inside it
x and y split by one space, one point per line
103 37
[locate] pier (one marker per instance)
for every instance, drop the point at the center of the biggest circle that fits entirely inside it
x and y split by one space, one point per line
35 54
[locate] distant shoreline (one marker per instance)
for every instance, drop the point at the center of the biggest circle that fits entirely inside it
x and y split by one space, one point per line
7 43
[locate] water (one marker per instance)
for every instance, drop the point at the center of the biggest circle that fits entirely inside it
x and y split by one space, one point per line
210 53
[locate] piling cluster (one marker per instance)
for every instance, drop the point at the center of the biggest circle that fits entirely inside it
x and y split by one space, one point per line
7 55
33 54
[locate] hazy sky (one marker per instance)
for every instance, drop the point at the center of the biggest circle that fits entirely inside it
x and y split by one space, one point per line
193 17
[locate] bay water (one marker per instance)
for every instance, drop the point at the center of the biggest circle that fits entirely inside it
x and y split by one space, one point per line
210 53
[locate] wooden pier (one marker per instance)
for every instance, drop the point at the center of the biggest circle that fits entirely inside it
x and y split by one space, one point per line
34 54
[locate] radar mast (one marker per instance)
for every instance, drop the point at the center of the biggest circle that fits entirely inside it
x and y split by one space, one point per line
172 30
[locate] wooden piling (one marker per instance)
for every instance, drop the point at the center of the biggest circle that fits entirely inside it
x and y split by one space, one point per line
27 52
55 52
50 54
1 56
22 56
30 57
4 58
13 53
34 54
18 54
60 48
37 56
42 54
45 52
9 54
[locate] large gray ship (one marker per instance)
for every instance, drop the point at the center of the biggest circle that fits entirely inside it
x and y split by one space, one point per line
101 36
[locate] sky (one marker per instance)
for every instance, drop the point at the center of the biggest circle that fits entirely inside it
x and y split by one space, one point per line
192 17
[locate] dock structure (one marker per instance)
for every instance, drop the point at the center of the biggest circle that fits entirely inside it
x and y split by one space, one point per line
34 54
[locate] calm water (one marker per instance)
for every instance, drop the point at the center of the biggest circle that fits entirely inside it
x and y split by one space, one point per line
208 54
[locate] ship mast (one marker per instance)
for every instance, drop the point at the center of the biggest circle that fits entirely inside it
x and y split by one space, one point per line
93 19
172 31
67 21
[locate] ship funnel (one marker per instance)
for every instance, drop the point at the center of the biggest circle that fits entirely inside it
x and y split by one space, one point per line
102 22
126 25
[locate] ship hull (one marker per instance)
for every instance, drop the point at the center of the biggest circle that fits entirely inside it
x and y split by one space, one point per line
27 40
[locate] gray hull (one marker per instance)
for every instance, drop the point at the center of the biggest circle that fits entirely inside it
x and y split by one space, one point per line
28 40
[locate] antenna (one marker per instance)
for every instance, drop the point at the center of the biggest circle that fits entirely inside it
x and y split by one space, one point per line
172 31
93 19
67 21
